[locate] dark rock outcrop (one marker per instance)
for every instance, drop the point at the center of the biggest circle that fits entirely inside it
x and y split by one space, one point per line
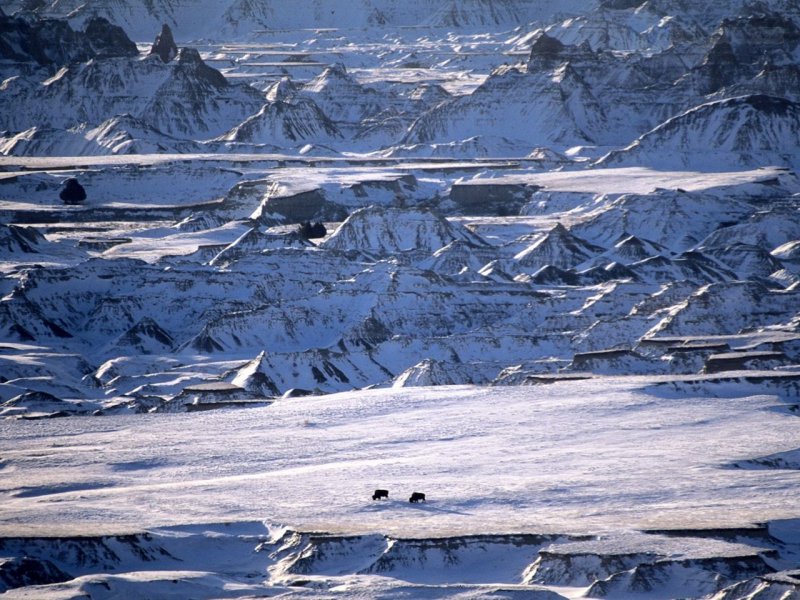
20 572
190 63
108 40
164 45
14 239
491 198
737 361
742 45
545 52
53 43
297 208
45 42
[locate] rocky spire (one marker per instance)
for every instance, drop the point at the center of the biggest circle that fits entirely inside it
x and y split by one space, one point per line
165 46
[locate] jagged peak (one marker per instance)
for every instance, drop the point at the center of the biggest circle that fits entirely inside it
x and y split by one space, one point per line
15 238
164 45
189 56
558 247
282 90
381 230
630 241
546 46
189 59
333 76
335 71
285 122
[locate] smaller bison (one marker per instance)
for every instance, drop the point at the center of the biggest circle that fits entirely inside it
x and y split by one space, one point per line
417 497
378 494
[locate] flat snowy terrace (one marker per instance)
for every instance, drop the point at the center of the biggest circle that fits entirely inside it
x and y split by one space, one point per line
569 457
623 180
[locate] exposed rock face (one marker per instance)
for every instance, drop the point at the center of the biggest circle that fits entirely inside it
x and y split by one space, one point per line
205 396
501 558
726 308
145 337
428 372
109 40
341 96
14 238
43 405
312 205
477 199
693 577
184 98
51 42
736 361
546 53
505 104
674 219
164 45
22 572
579 569
748 41
192 65
45 42
399 293
255 241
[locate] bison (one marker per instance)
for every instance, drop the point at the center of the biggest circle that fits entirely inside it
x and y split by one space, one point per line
417 497
378 494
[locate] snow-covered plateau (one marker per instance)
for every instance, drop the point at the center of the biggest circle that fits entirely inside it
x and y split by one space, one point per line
537 260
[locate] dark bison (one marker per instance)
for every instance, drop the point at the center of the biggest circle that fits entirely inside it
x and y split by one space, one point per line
378 494
417 497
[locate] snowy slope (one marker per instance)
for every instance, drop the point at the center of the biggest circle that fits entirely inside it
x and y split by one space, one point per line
749 131
145 88
386 231
191 20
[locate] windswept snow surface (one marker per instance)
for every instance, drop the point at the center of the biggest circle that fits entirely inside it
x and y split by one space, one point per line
571 457
574 460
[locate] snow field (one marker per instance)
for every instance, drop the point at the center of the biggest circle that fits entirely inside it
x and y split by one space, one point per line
570 457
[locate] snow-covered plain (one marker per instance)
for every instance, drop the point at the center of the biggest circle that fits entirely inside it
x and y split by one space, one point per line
598 457
571 457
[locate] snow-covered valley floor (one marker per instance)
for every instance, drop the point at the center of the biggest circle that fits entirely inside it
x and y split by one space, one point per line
571 457
585 462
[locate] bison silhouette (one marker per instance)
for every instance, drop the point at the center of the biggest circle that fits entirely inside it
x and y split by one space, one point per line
417 497
378 494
